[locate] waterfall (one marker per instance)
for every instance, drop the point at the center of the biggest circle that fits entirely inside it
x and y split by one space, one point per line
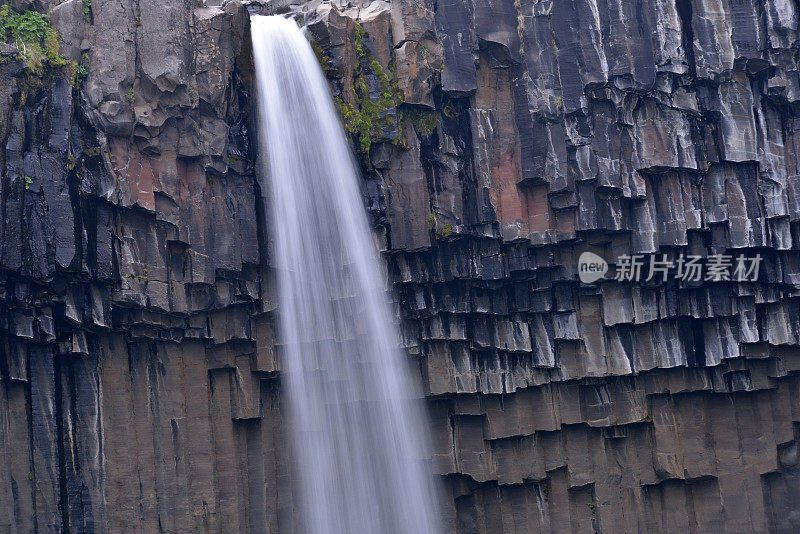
355 418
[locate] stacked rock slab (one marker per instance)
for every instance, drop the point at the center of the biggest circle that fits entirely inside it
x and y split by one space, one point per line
139 373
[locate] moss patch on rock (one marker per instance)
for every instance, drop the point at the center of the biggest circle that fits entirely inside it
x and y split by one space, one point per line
324 61
33 35
363 115
425 121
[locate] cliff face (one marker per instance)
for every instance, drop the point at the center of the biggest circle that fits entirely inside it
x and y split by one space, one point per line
139 374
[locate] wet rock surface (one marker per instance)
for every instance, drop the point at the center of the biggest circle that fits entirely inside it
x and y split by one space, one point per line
139 371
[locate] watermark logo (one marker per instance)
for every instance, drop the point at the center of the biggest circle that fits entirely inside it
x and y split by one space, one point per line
685 268
591 267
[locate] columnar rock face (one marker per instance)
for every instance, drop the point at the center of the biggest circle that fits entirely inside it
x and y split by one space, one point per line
499 140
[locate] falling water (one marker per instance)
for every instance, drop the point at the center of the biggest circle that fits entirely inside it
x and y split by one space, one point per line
357 433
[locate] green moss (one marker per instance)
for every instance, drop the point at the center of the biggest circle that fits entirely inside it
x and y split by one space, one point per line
52 49
28 182
32 34
424 120
446 230
130 95
431 221
87 10
324 62
361 49
362 116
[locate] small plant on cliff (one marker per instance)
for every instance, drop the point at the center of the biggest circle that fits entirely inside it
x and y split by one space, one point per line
32 34
25 27
82 69
130 95
81 73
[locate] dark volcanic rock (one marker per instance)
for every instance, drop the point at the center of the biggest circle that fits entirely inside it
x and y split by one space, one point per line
139 370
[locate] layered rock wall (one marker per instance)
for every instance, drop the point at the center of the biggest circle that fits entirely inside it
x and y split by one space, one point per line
499 140
135 320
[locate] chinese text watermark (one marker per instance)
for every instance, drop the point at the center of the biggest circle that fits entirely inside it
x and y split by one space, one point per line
684 267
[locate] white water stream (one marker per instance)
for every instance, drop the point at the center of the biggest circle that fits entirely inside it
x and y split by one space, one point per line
357 435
